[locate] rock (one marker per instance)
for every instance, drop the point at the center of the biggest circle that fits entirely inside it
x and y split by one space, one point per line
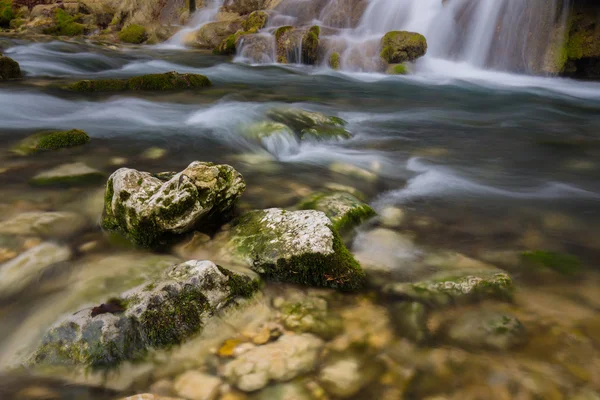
255 21
410 320
308 314
135 34
481 328
51 141
455 279
401 46
148 396
20 272
244 7
9 69
294 246
46 224
64 24
310 124
256 48
291 42
146 209
353 171
158 82
154 153
397 69
6 13
343 376
334 60
68 174
283 360
266 129
391 217
195 385
155 315
286 391
212 34
344 210
564 264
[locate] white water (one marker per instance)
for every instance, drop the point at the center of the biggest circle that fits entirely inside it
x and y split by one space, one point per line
202 16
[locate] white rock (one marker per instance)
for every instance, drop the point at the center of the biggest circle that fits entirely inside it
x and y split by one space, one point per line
195 385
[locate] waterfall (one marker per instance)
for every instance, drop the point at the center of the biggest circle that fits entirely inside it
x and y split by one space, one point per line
204 15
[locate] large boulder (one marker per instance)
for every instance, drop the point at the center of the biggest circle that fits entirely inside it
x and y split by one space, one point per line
155 315
9 69
212 34
295 246
310 124
401 46
146 209
158 82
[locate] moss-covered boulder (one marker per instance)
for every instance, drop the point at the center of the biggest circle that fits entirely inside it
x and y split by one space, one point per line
397 69
7 13
157 82
68 175
344 210
334 60
159 314
211 35
310 124
146 209
286 42
401 46
255 21
310 45
294 246
134 34
265 129
229 45
291 42
252 24
45 141
65 24
9 69
452 278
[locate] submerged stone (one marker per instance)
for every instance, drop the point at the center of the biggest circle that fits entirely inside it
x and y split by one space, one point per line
42 223
564 264
9 69
68 175
410 320
134 34
51 141
344 210
295 246
157 82
310 124
156 315
146 209
344 375
401 46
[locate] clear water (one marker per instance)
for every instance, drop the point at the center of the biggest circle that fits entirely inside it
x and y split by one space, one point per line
481 162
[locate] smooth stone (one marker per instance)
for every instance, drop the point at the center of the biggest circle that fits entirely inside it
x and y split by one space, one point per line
392 217
46 224
154 153
68 174
353 171
343 209
345 376
195 385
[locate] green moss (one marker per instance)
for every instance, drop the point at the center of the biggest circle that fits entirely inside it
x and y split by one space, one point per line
65 24
9 69
575 46
240 285
397 69
63 139
344 210
16 23
310 45
156 82
227 46
402 46
281 30
334 60
134 34
255 21
6 13
564 264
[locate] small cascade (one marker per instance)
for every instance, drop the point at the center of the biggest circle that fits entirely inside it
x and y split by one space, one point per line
203 16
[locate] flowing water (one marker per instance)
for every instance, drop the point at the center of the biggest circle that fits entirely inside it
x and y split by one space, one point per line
480 162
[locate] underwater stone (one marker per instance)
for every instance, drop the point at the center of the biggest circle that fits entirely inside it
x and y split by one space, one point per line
310 124
146 209
195 385
43 141
159 314
47 224
158 82
401 46
68 175
344 210
295 246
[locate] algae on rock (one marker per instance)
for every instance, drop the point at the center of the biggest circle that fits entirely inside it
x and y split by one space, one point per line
156 315
310 124
295 246
135 34
158 82
51 141
146 209
343 209
68 174
401 46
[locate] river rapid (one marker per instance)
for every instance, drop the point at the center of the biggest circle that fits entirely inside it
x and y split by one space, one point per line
483 163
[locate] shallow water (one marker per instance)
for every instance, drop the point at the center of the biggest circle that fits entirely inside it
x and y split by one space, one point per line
482 163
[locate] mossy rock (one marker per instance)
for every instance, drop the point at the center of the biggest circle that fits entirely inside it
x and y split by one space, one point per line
147 209
310 124
334 60
228 45
7 13
65 25
265 129
397 69
310 45
255 21
285 42
401 46
134 34
68 175
157 82
9 69
564 264
45 141
295 246
344 210
160 314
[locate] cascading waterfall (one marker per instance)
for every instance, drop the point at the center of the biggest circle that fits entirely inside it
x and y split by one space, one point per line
517 36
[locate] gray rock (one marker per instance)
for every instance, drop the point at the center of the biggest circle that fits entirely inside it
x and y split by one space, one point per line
294 246
146 209
343 209
41 223
158 314
310 124
280 361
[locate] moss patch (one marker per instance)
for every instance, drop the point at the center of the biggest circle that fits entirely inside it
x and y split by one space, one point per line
44 141
65 25
134 34
6 13
255 21
564 264
334 60
401 46
344 210
310 45
157 82
397 69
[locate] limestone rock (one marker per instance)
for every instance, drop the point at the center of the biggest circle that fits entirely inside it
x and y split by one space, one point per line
345 375
158 314
280 361
195 385
295 246
145 208
344 210
68 174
